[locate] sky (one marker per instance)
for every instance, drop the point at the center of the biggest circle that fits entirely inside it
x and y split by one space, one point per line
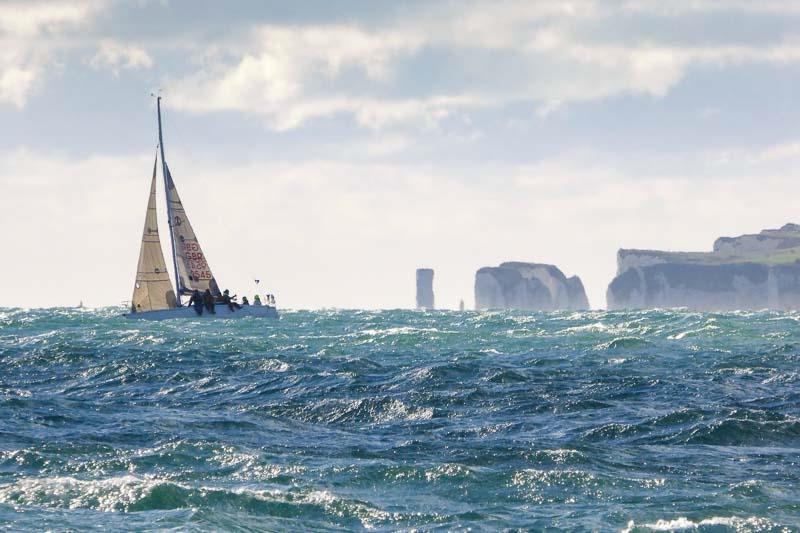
331 148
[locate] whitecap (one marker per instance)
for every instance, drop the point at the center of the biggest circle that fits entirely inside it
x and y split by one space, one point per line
397 410
110 494
682 523
561 455
692 332
447 470
274 365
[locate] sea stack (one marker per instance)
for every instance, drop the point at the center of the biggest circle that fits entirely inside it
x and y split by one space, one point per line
424 288
748 272
528 286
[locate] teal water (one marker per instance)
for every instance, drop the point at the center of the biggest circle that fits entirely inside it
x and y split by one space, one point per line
350 420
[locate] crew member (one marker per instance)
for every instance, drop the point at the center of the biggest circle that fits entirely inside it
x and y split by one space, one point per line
227 299
208 300
196 301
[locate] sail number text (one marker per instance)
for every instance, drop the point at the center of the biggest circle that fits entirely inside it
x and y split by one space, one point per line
196 261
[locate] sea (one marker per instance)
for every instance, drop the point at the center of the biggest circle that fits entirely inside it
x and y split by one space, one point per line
396 420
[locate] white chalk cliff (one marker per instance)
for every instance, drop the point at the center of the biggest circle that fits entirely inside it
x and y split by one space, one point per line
528 286
748 272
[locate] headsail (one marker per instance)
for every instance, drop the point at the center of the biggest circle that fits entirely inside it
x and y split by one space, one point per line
153 289
192 266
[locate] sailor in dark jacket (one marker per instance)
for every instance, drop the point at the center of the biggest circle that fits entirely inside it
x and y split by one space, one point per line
208 300
196 301
228 300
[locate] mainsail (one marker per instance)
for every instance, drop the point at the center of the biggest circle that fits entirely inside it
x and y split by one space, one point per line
153 289
192 268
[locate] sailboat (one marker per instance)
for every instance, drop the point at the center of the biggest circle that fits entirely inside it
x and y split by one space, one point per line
154 297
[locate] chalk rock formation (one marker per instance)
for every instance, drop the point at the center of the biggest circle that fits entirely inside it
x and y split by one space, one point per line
528 286
747 272
424 288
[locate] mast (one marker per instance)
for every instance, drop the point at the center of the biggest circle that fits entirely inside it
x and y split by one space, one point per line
165 172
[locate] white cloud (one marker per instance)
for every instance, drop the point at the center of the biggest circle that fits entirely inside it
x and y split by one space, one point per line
552 56
678 7
291 75
16 81
789 150
28 32
274 67
597 71
32 18
783 157
115 56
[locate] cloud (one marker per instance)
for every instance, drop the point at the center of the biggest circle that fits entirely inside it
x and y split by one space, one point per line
679 7
788 150
405 67
480 54
115 56
32 18
28 38
782 157
16 80
271 73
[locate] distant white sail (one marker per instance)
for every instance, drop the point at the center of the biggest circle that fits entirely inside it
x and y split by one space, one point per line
153 289
193 269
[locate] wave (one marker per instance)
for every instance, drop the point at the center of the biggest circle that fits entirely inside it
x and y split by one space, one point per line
741 432
370 410
134 494
622 343
702 427
743 525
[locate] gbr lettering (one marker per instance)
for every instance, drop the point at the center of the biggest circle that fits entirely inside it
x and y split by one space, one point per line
196 261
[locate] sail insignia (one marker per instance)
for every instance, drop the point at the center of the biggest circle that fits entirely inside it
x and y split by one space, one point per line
193 271
153 289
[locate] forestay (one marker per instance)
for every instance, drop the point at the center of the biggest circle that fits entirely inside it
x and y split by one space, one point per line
153 289
192 266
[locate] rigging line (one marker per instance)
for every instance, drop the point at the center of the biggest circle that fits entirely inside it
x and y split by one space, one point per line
174 127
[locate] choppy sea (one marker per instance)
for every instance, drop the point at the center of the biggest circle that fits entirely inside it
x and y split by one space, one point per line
400 420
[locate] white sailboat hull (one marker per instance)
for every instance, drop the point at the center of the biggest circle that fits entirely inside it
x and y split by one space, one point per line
222 311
